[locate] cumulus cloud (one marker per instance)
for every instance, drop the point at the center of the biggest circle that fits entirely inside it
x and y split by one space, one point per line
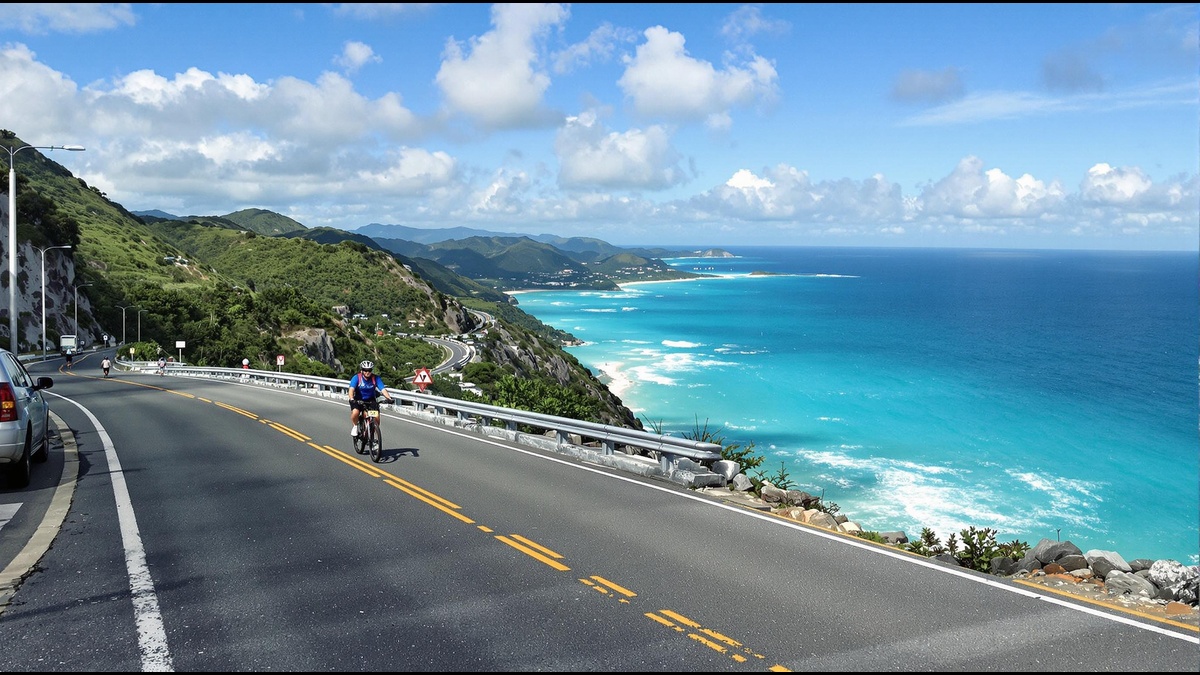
786 193
1107 185
662 81
637 159
355 55
496 79
972 192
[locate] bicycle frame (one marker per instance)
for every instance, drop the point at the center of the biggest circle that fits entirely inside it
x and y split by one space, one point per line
369 439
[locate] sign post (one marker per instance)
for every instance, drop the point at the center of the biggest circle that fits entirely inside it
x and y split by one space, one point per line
279 362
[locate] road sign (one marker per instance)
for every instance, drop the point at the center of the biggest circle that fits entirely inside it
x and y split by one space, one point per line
422 378
279 360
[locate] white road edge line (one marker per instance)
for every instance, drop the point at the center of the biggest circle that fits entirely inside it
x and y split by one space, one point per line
152 636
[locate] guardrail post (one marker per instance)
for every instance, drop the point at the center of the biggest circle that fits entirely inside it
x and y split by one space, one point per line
666 462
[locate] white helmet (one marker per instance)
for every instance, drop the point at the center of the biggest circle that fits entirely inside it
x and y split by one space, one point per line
366 365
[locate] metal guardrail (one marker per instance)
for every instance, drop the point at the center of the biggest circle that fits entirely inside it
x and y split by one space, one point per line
678 459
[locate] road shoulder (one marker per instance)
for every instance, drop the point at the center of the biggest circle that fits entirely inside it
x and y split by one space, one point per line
25 561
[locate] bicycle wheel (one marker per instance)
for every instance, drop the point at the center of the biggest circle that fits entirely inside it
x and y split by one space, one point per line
360 441
376 443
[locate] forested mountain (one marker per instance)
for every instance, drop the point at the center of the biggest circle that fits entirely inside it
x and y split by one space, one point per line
521 263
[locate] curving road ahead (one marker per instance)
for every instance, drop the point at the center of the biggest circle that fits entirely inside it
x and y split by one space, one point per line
224 527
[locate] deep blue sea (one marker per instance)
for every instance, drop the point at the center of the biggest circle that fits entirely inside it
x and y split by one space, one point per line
1045 394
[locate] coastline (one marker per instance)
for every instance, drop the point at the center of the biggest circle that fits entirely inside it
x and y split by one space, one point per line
614 378
624 285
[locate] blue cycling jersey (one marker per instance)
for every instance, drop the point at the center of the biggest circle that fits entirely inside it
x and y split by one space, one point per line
368 388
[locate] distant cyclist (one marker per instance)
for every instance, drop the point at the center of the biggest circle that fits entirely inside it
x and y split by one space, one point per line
105 365
365 387
162 365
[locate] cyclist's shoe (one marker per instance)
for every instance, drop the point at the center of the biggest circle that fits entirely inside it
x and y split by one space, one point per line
354 431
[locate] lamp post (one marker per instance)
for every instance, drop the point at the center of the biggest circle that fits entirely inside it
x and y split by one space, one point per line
43 250
77 287
140 323
123 320
14 342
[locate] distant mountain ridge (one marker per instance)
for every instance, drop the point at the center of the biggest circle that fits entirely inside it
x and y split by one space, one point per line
571 244
492 263
271 224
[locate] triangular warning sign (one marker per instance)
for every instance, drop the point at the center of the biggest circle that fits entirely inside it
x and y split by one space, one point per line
422 378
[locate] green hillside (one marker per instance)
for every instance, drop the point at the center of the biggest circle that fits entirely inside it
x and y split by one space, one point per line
230 292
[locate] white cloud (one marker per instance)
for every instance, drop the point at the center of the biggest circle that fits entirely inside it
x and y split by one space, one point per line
592 157
973 193
599 46
986 107
1107 185
747 21
37 18
497 81
662 81
355 55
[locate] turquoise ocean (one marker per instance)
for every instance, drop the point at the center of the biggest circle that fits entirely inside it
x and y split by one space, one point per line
1045 394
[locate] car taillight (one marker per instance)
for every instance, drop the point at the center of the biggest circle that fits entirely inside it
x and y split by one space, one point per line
8 403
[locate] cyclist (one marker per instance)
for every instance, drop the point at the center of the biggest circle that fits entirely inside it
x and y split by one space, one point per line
162 365
105 365
365 386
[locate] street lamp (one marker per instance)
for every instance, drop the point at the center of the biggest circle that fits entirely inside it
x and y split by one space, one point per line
140 323
123 320
15 344
43 250
77 287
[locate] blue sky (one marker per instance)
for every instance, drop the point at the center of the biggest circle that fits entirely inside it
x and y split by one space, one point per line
991 125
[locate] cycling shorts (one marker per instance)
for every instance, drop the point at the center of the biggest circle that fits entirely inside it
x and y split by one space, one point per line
359 404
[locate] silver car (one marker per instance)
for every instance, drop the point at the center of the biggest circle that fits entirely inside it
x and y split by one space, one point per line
24 420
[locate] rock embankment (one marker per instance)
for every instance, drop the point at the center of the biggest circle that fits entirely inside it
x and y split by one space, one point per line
1165 588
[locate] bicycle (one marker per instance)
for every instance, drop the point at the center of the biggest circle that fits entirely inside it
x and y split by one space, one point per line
370 437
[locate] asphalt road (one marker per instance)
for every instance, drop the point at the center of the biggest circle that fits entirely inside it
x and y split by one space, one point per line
225 527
